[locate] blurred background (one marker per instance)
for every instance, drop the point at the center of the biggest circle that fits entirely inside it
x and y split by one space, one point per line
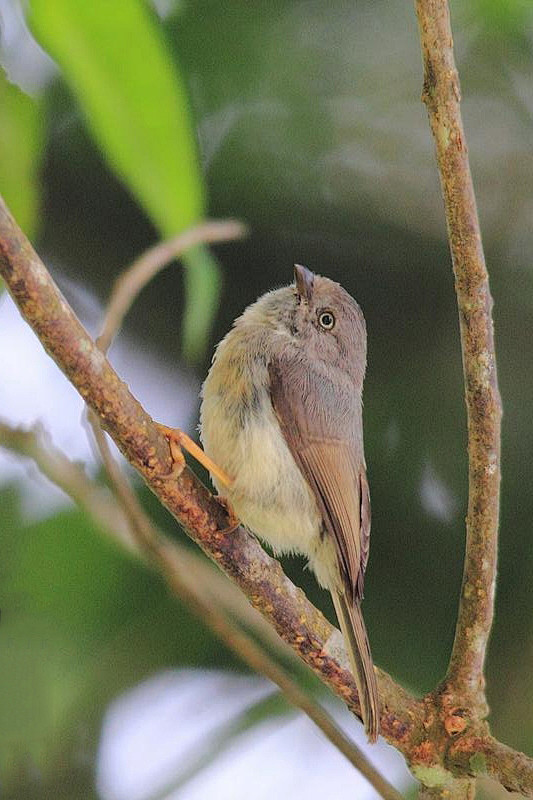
122 123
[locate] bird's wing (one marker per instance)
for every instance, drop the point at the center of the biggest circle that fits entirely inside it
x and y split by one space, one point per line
331 467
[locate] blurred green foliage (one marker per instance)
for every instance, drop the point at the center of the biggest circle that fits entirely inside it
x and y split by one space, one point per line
81 620
502 18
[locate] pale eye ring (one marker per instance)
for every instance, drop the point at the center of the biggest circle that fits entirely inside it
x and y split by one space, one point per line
326 320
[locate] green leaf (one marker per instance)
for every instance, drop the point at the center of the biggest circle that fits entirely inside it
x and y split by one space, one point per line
20 150
202 279
115 61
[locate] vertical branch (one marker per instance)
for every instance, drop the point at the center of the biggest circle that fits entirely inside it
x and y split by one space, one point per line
465 681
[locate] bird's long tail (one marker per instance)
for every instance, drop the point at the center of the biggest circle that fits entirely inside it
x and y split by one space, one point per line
356 640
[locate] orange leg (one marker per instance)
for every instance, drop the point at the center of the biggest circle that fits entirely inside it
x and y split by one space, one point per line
177 439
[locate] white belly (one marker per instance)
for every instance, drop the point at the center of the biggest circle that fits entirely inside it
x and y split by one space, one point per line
273 500
269 493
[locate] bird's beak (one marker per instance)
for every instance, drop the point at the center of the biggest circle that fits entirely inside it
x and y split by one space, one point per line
304 280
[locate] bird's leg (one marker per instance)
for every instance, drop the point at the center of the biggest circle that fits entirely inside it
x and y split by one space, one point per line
177 440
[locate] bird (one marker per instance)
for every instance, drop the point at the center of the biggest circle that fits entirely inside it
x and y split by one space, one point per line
282 430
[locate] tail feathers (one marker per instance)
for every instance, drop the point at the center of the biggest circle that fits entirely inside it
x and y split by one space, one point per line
356 639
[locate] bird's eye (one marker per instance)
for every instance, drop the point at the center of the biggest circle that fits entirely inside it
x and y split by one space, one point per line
326 320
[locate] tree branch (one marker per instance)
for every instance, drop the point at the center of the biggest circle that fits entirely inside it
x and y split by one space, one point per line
238 554
464 683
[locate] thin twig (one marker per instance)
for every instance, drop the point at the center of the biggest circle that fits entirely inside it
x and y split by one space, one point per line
68 476
465 684
180 574
97 501
132 280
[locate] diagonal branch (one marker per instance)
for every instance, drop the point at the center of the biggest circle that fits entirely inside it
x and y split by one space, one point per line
261 578
465 684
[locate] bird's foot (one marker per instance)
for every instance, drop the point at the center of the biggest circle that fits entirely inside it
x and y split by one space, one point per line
179 440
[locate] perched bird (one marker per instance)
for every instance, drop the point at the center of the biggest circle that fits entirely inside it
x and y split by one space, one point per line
281 418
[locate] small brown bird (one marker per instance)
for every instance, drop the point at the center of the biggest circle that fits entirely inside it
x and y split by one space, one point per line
281 419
